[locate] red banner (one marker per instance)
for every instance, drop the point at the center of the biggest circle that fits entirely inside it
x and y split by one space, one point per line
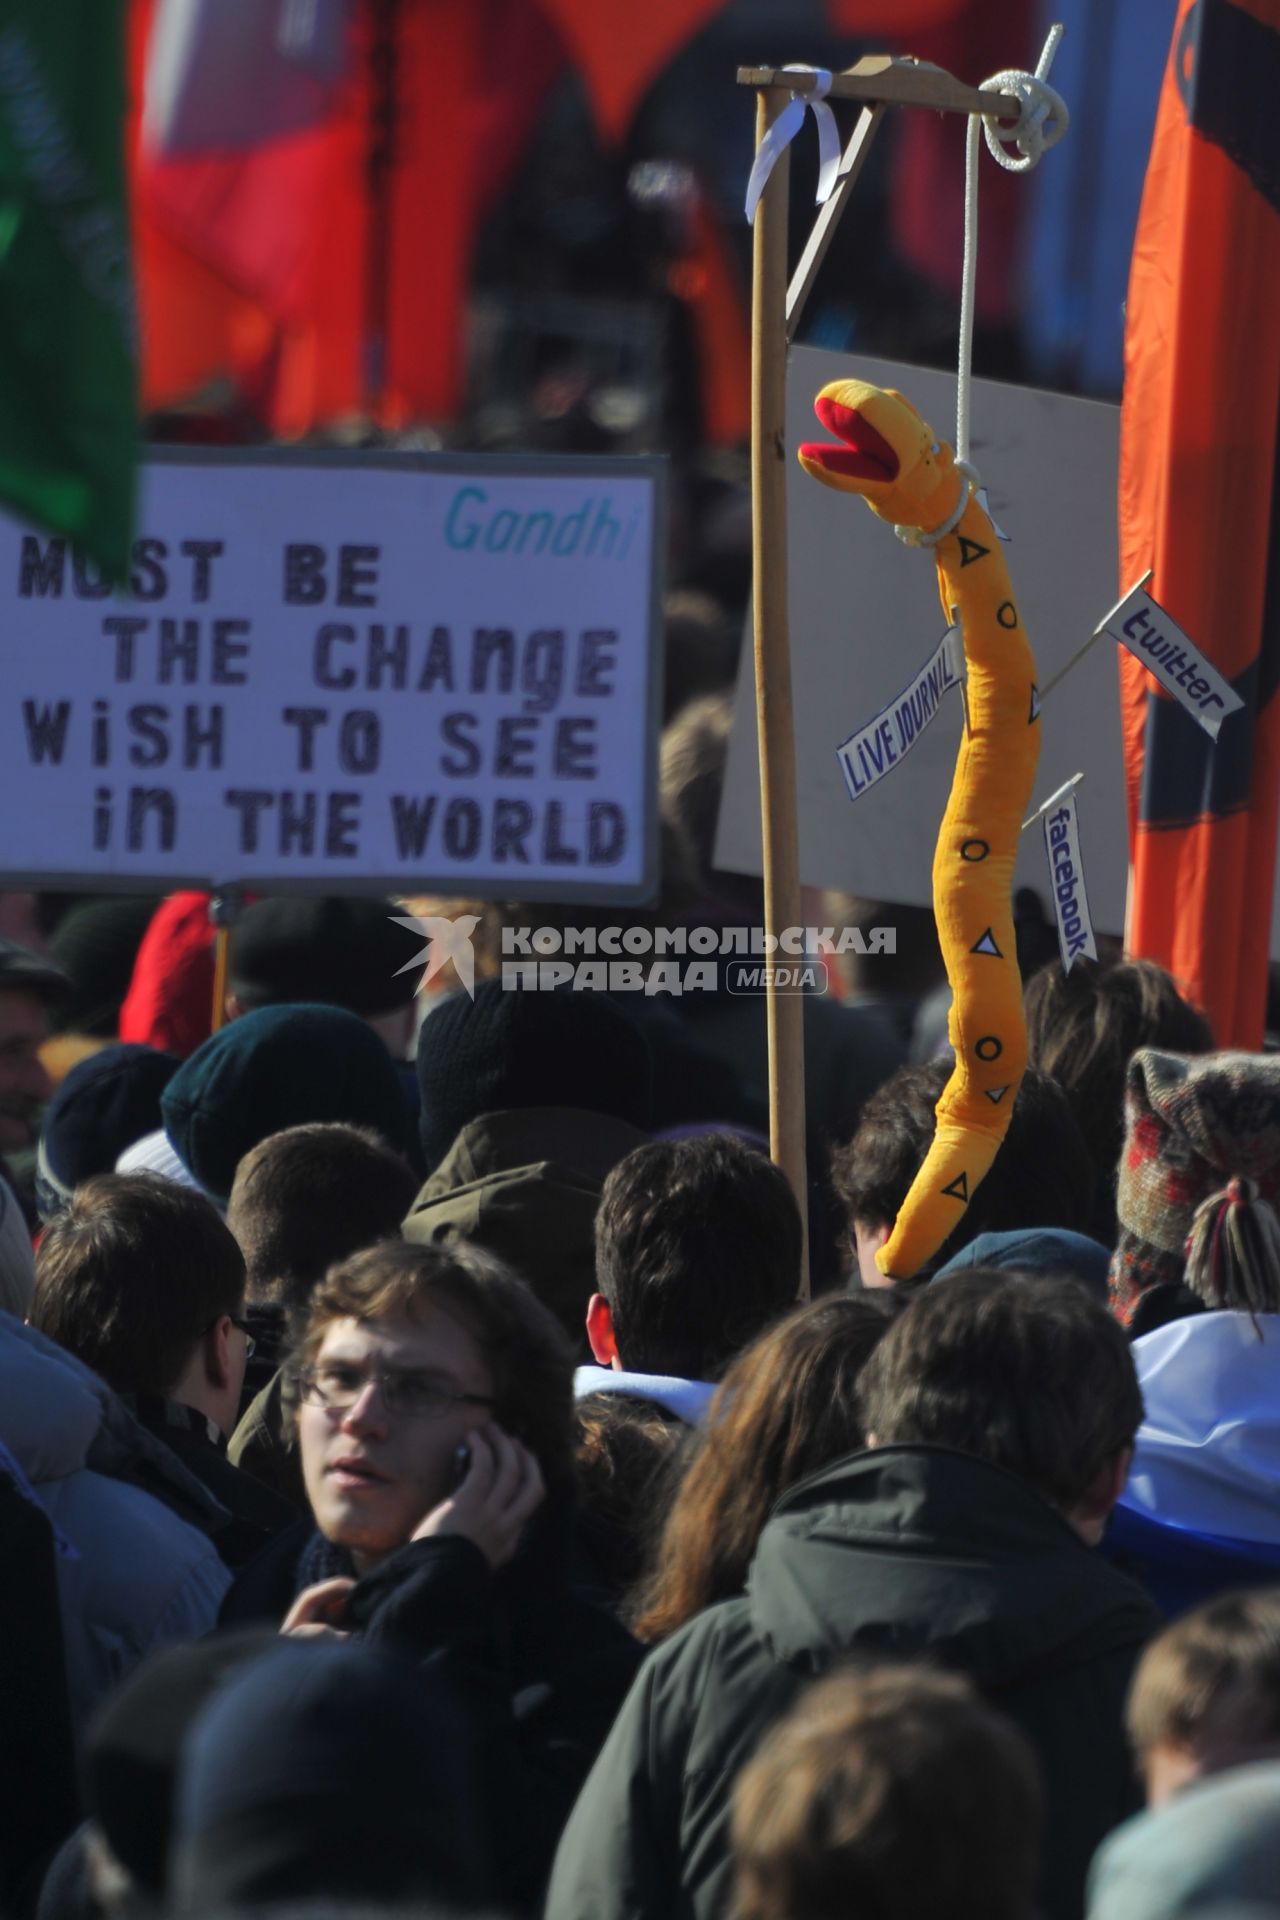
1199 504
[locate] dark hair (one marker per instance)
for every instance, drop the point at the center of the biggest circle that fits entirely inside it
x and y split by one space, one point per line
787 1406
700 649
1083 1028
1042 1175
626 1449
528 1355
1028 1372
309 1196
695 748
1211 1677
890 1794
131 1274
698 1248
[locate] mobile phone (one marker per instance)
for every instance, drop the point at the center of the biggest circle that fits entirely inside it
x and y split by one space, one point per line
461 1463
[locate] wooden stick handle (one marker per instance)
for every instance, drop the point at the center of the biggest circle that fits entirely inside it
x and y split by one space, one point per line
225 908
773 657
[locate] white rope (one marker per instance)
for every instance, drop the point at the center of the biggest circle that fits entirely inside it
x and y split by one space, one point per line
917 536
783 132
1041 123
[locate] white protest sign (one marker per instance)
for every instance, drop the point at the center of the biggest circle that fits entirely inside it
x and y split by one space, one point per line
875 749
863 608
366 673
1066 879
1143 626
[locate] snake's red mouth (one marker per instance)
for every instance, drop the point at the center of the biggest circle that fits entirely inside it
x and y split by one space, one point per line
865 455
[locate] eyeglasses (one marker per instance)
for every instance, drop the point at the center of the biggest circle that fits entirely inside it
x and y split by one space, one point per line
414 1395
250 1344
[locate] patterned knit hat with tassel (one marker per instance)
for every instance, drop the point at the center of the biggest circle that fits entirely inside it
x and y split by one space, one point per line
1192 1125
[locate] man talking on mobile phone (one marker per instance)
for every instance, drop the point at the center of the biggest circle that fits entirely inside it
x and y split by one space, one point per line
411 1354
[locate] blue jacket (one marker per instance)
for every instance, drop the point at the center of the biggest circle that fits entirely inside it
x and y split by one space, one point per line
133 1576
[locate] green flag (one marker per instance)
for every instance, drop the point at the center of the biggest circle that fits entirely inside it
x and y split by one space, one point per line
68 415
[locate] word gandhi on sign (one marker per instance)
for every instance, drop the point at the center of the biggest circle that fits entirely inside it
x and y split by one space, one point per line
868 755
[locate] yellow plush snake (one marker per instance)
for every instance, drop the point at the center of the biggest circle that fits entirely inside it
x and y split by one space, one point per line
890 456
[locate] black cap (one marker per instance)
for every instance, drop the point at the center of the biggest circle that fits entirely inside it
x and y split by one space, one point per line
509 1047
102 1106
134 1744
341 952
27 972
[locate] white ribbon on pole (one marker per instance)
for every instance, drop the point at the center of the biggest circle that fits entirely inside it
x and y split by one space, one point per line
783 132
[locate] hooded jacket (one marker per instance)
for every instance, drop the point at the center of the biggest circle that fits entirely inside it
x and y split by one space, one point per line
903 1553
525 1184
132 1575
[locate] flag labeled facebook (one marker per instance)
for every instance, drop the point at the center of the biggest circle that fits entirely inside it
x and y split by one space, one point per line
875 749
1143 626
1066 876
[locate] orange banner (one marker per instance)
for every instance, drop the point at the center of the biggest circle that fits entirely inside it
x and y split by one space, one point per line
1199 505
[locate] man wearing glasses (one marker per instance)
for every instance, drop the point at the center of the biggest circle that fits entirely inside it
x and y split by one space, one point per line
143 1282
400 1439
435 1424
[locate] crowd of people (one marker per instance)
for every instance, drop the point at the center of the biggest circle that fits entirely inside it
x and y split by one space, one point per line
425 1487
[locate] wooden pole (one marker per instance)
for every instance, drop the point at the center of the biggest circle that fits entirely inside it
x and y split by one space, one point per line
781 845
224 910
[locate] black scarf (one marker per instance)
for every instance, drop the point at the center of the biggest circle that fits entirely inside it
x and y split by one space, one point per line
322 1560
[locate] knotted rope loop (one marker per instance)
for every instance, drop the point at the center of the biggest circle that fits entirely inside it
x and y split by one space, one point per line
1041 123
918 537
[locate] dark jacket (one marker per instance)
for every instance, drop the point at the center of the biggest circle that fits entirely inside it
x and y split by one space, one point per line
255 1513
525 1184
39 1802
540 1669
906 1552
264 1445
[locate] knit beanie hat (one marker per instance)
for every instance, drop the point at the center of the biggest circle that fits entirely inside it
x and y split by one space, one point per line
105 1103
96 943
511 1047
339 952
1191 1126
279 1067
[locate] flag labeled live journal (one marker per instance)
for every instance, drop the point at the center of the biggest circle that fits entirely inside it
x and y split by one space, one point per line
876 748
